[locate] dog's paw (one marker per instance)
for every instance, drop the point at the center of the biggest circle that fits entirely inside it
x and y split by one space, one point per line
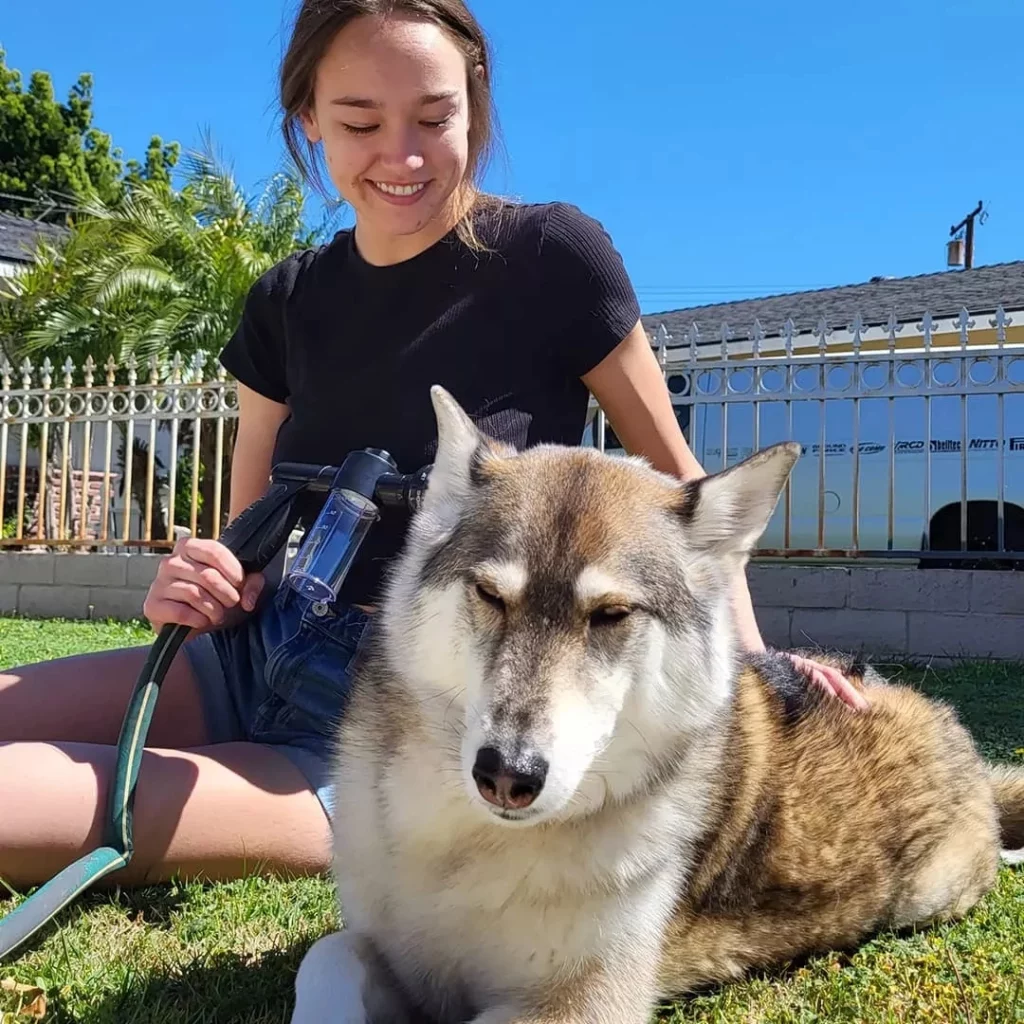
329 983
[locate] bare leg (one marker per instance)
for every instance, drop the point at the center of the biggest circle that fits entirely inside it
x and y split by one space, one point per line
211 813
82 699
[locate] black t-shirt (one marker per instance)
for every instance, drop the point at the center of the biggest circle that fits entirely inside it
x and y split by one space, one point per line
353 348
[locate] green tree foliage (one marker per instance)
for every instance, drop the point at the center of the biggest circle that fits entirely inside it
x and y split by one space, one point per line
150 265
53 156
160 271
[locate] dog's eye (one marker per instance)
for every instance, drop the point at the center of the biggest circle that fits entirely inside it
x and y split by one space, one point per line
609 615
486 594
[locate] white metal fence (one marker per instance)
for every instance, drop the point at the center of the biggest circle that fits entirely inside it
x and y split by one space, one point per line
913 436
913 432
66 475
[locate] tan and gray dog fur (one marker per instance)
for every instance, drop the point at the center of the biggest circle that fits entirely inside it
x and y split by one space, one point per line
563 796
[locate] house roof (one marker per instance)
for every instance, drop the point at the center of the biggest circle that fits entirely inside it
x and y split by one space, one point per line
18 237
981 290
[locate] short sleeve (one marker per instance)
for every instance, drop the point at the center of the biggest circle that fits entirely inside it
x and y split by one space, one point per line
255 353
594 294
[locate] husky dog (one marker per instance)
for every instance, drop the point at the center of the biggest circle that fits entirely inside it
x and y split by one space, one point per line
563 796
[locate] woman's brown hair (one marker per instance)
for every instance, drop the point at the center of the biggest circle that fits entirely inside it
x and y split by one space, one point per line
317 24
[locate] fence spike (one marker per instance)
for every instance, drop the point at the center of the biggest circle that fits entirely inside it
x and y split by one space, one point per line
893 327
756 334
198 361
788 330
663 338
1000 322
857 330
965 324
926 327
725 335
823 332
693 340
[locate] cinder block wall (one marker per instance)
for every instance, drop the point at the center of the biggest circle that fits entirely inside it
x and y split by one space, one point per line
75 586
891 613
938 614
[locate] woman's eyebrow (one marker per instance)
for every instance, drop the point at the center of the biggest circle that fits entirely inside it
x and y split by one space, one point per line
367 104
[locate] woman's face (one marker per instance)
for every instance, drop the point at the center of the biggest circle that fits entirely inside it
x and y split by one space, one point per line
391 109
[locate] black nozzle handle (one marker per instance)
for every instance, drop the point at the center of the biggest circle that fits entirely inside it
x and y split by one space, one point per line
310 476
257 533
390 489
402 490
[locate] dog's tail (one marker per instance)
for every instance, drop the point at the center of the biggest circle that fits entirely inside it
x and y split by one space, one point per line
1007 783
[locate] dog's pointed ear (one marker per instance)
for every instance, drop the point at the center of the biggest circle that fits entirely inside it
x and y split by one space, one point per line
457 440
462 449
727 512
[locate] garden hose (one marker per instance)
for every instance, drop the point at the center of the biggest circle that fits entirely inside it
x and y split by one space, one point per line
48 900
255 536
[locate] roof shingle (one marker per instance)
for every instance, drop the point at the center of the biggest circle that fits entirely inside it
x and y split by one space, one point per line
19 235
981 290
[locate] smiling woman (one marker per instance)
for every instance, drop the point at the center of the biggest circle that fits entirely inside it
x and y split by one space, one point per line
399 108
519 310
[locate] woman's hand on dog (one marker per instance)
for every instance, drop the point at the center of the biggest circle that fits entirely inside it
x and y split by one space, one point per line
831 680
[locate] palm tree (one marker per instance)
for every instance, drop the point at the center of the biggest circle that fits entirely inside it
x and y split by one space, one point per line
160 272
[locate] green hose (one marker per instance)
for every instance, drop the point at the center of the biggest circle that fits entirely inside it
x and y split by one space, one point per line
48 900
255 536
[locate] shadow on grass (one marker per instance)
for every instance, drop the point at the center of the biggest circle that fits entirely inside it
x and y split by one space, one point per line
156 904
223 988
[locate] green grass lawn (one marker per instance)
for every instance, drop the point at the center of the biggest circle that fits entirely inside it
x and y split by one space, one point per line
227 953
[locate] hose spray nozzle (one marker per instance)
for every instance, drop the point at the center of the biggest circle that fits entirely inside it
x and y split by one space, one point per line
366 481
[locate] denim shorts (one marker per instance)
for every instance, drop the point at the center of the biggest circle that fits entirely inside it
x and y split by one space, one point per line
282 678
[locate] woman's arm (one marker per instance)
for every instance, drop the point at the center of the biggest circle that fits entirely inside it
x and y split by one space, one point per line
201 583
630 388
259 420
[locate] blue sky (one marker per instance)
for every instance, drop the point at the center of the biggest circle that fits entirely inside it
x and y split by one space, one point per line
732 149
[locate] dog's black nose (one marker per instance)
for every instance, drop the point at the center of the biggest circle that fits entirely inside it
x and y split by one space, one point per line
513 784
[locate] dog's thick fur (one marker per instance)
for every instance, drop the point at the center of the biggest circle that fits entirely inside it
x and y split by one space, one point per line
702 814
